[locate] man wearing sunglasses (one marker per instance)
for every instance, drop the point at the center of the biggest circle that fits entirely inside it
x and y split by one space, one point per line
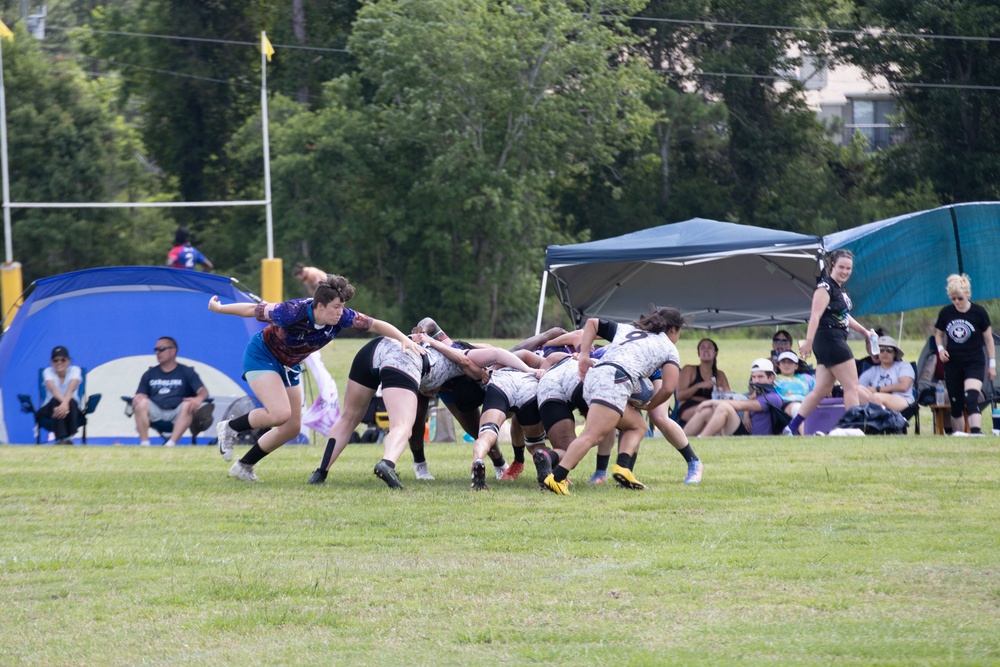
169 392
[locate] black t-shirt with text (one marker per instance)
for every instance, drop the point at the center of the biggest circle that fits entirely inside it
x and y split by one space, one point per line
964 331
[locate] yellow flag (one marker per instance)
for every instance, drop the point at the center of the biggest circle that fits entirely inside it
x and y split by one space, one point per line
265 46
5 32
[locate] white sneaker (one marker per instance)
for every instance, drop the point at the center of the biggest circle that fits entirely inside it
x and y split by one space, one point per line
144 443
960 434
169 443
501 470
227 438
243 471
421 471
786 431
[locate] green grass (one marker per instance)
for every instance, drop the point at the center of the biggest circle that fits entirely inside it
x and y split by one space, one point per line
792 551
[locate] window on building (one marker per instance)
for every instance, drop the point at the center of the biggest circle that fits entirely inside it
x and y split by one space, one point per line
870 117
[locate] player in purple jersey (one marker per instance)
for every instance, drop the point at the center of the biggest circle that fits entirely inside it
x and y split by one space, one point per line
271 361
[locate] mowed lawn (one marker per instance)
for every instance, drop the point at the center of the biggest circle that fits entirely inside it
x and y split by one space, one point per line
842 551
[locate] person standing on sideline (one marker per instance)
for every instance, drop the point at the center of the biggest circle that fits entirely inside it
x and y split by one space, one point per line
61 380
296 329
964 339
309 276
829 320
184 255
168 392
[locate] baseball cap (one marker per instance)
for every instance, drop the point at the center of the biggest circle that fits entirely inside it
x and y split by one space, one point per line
59 351
791 356
762 365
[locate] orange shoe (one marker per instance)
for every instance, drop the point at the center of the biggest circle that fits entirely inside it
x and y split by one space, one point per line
513 470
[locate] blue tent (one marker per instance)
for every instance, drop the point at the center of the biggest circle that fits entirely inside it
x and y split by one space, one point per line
110 318
902 263
719 274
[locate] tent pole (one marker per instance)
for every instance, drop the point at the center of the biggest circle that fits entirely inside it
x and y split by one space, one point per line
541 302
900 336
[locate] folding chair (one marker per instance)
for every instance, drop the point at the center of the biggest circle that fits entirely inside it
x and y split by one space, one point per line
87 406
913 410
200 422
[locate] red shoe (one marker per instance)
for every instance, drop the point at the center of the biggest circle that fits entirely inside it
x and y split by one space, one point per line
513 470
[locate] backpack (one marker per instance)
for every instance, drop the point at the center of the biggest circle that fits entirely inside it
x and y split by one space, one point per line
873 419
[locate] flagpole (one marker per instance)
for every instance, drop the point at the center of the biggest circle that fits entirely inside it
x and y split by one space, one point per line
267 148
271 287
8 243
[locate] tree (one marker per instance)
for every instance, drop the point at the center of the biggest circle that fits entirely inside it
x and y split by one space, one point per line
66 145
953 133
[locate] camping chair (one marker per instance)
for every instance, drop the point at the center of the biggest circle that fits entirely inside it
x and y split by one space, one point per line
913 410
201 420
376 419
87 406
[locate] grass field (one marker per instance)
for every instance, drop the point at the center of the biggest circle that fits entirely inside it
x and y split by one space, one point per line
815 551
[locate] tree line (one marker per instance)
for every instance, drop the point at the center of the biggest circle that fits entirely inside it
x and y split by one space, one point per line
430 150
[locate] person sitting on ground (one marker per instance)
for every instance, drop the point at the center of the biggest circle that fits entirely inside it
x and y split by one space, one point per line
791 385
168 392
61 380
721 417
697 383
890 384
184 255
309 276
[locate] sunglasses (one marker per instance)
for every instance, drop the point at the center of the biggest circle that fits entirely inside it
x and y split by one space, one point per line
161 348
60 360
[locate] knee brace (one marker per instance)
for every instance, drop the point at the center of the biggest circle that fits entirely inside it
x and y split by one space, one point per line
972 402
531 441
489 427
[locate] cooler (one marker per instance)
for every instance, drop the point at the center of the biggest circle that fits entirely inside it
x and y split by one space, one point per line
825 417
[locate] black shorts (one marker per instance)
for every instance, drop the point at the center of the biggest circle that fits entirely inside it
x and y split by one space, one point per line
553 412
364 372
463 392
956 372
830 347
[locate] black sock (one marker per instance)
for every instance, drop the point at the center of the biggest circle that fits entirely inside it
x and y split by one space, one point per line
327 454
560 473
519 454
418 455
635 457
498 462
602 461
975 429
688 453
255 454
625 461
554 457
388 463
241 423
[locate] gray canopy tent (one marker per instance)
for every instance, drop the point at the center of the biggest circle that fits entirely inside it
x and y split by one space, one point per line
719 274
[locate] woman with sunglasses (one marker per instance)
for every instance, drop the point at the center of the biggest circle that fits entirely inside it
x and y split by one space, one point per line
61 380
826 335
964 341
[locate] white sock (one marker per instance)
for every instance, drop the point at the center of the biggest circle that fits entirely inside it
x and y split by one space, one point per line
144 443
169 443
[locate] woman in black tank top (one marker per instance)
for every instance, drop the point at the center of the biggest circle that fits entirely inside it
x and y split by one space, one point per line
695 382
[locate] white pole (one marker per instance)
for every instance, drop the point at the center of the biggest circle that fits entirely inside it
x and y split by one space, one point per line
267 149
541 302
7 243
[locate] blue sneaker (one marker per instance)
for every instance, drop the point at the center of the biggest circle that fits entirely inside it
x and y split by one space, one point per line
694 472
599 477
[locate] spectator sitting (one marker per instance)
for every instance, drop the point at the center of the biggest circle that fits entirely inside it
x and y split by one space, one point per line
309 276
782 342
720 417
890 384
168 392
61 380
870 360
791 385
696 383
184 255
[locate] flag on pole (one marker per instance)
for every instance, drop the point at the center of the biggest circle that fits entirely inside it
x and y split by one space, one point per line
265 46
5 32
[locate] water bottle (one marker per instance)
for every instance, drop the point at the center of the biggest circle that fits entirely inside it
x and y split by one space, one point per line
716 392
873 340
939 393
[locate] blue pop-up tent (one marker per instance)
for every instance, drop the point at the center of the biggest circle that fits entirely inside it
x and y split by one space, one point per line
110 318
902 263
719 274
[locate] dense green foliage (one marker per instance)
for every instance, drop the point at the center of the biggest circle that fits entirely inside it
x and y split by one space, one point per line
431 150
